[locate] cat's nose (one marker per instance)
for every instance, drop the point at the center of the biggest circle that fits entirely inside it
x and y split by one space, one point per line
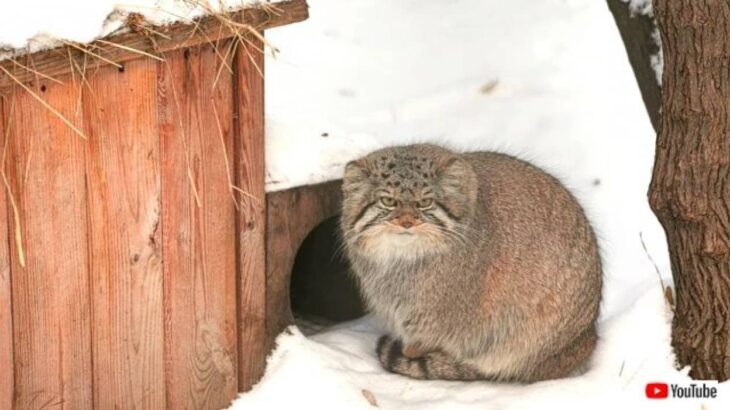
406 221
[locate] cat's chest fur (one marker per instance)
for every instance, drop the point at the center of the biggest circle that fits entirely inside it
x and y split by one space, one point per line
413 300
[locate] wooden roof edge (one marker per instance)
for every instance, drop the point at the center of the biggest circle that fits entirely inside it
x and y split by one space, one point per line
120 48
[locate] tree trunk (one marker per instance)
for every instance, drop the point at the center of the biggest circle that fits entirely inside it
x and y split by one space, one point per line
690 189
637 32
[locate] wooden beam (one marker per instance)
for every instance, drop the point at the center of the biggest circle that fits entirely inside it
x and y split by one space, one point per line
251 218
123 184
51 293
198 233
210 29
6 313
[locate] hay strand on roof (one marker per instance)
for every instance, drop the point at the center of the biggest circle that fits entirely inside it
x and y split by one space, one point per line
45 104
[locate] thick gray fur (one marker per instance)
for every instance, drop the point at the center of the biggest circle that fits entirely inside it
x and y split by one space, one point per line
499 279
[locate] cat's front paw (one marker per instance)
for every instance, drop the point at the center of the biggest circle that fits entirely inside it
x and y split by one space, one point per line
390 352
387 347
418 364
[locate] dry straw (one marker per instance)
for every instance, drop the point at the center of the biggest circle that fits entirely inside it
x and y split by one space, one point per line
44 103
13 205
131 49
225 154
241 41
241 32
37 73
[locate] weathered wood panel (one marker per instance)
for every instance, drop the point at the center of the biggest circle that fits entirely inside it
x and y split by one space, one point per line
291 215
123 179
198 240
250 176
145 277
51 305
6 317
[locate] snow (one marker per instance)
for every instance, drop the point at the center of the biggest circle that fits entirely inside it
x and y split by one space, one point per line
331 370
657 60
642 7
548 81
40 24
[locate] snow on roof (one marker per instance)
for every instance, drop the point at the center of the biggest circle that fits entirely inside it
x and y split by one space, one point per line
34 25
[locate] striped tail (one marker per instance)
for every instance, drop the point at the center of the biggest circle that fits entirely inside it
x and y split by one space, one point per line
434 365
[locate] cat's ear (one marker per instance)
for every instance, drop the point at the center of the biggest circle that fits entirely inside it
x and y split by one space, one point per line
455 167
356 173
356 169
459 185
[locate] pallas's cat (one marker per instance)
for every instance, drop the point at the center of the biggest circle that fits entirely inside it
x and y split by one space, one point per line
479 265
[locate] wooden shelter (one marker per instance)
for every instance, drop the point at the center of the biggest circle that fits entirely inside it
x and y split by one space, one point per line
140 264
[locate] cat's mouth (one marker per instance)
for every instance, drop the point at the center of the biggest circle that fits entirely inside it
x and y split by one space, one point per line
389 237
402 232
398 229
397 241
402 235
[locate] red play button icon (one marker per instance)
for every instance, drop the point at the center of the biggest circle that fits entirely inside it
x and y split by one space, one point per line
657 390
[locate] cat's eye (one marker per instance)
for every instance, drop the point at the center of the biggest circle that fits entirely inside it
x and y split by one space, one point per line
387 202
424 203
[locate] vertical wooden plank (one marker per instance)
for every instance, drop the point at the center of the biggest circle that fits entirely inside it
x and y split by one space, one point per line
51 308
122 172
250 176
198 238
6 317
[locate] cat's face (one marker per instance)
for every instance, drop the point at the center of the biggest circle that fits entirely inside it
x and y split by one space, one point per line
407 201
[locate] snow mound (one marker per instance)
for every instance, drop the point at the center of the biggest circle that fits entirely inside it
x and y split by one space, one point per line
338 369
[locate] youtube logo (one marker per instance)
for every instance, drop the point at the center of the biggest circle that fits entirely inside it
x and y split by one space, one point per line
696 389
657 390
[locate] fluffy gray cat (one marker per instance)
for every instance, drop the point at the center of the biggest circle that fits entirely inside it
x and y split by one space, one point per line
480 265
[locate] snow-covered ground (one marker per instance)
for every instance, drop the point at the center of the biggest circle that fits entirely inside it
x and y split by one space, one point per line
336 370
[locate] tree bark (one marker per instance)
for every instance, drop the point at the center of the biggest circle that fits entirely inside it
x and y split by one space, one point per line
637 33
690 189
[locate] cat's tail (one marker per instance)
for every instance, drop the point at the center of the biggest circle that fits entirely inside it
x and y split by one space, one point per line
431 366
